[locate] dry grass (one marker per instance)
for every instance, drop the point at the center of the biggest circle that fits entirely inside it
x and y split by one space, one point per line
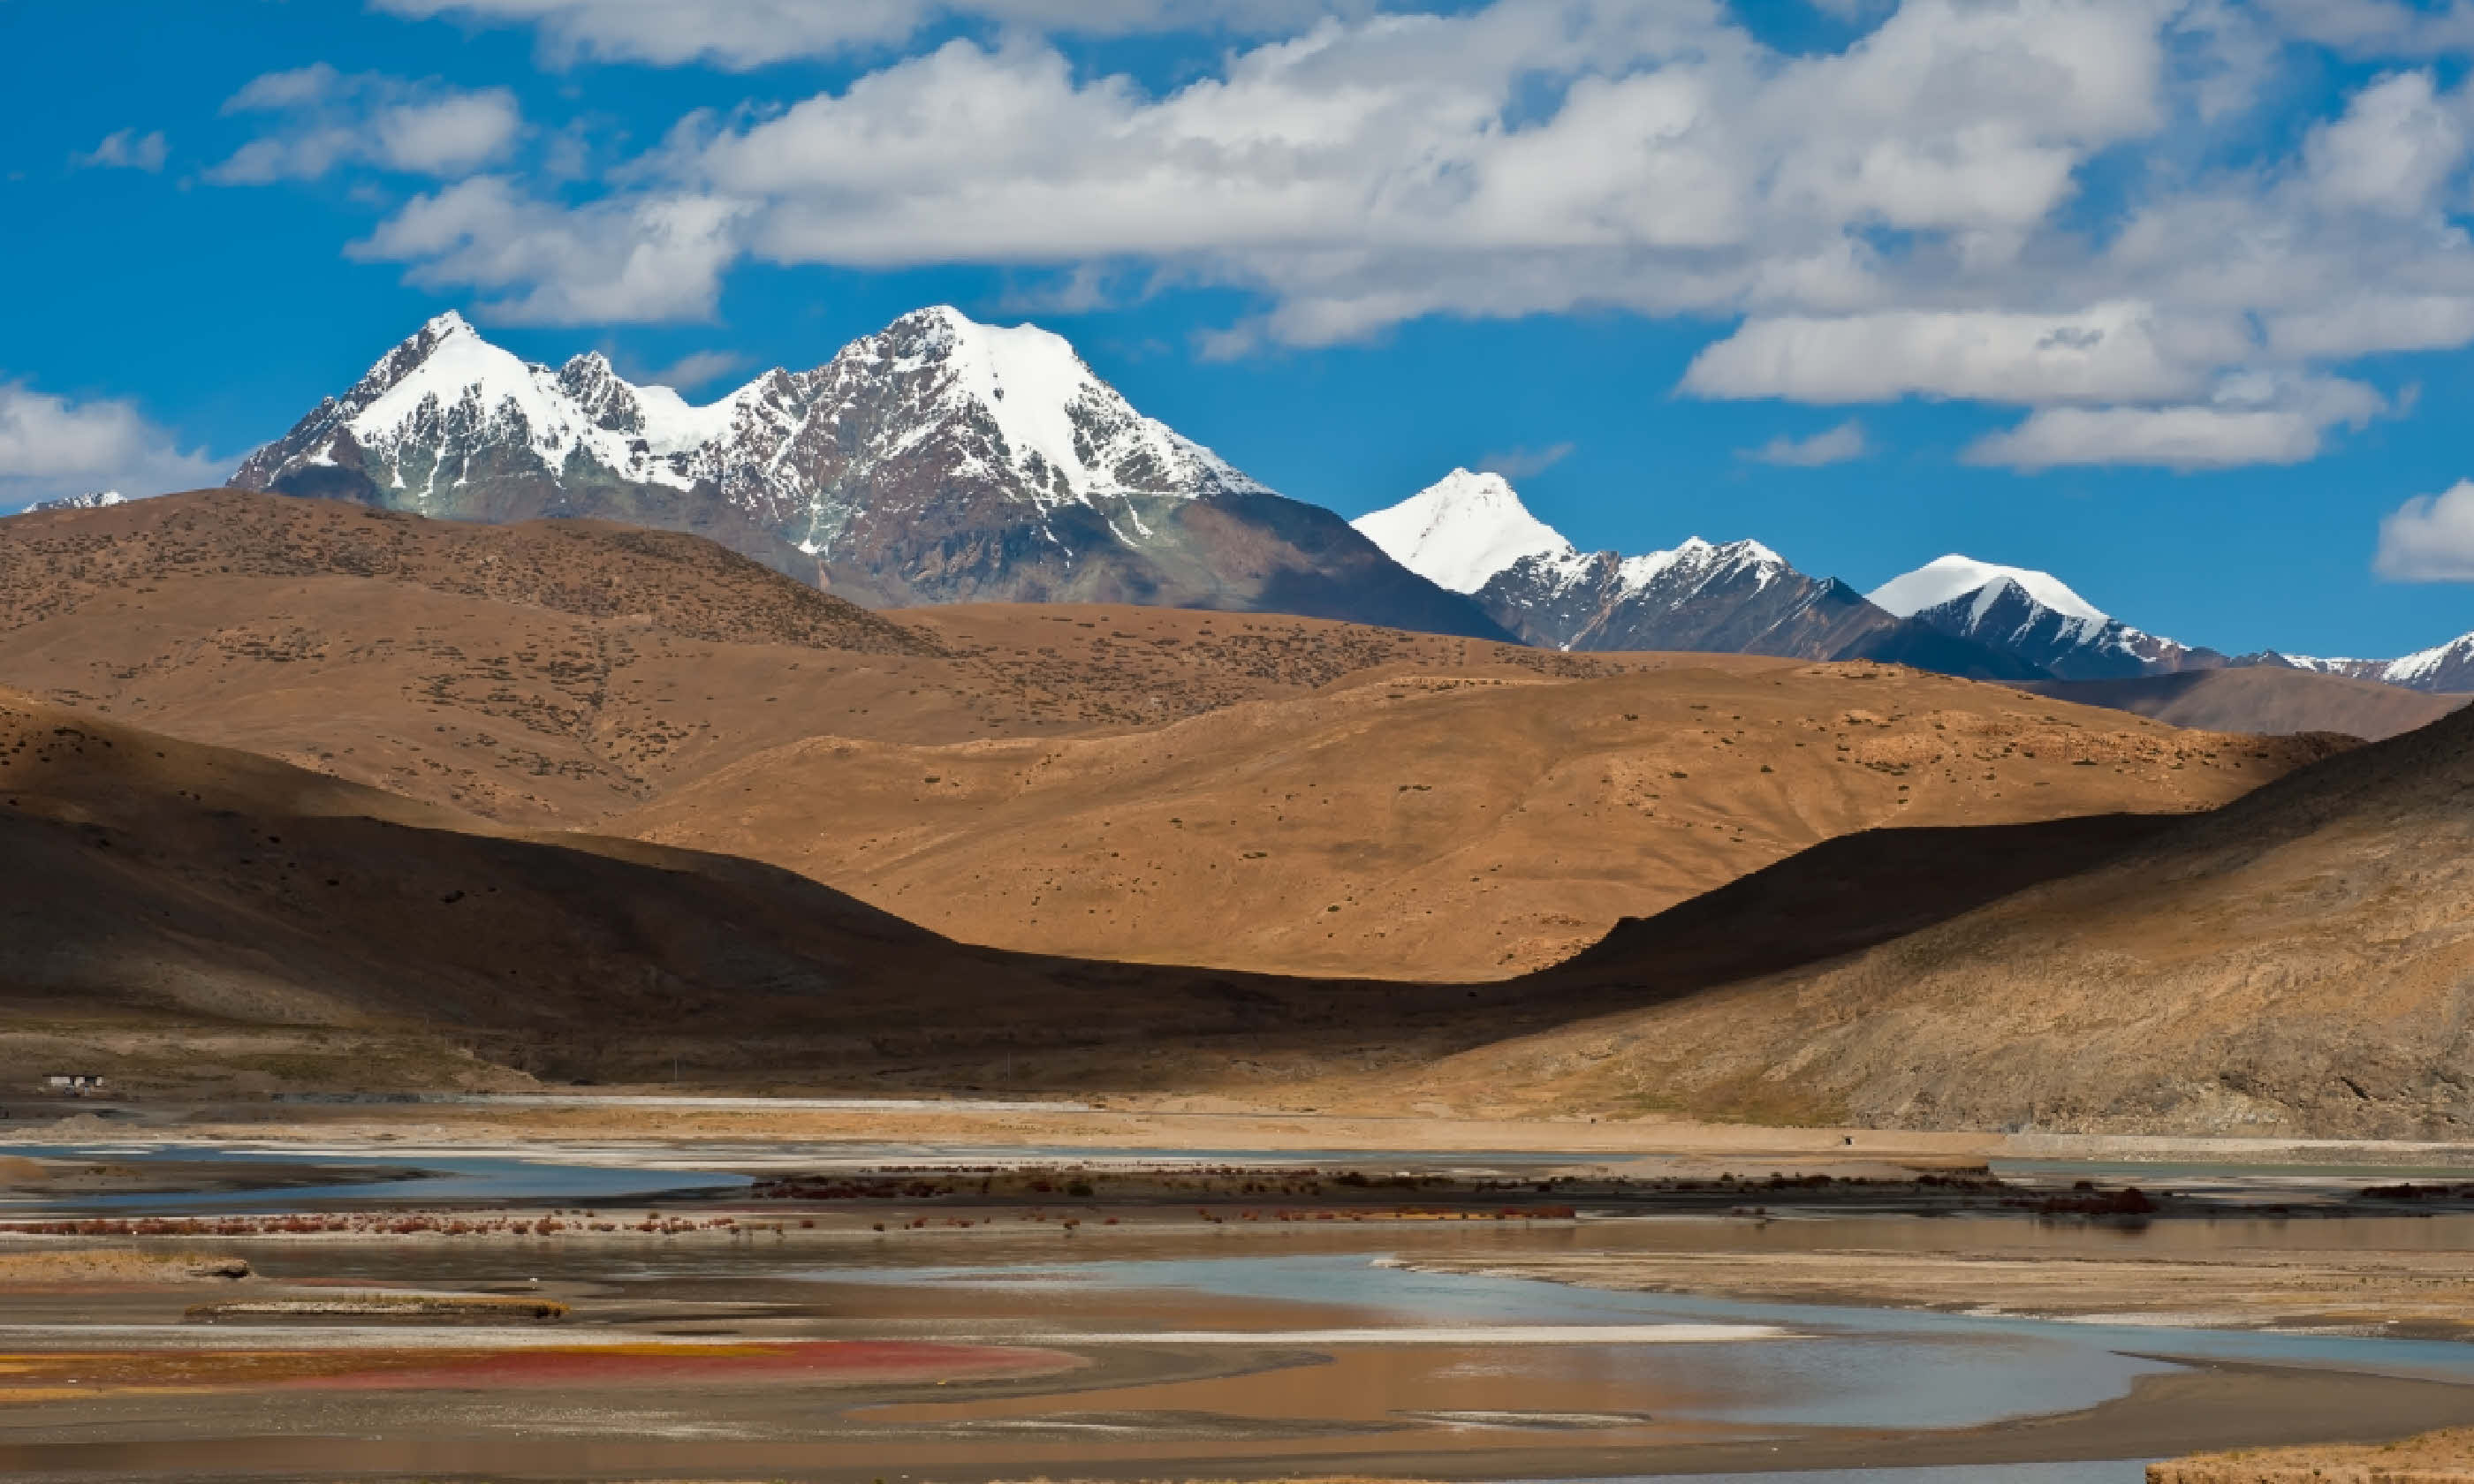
43 1268
2433 1458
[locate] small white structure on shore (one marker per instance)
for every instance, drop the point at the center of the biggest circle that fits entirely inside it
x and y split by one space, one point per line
74 1081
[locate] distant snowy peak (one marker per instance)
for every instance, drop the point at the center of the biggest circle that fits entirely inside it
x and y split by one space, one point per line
2035 617
1945 577
1460 531
92 499
2443 667
1470 533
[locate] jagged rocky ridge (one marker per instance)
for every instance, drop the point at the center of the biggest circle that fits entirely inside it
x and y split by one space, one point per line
2440 668
1470 533
937 460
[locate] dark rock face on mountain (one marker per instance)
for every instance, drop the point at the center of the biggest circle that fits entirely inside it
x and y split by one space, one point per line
938 461
1741 597
2004 617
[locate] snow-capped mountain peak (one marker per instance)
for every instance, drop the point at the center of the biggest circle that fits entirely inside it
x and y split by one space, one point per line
1953 576
1460 531
92 499
1065 433
2034 616
936 460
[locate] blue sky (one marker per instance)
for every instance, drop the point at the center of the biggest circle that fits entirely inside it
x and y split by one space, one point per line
2170 297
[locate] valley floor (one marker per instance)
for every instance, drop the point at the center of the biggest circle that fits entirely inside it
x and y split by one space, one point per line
683 1285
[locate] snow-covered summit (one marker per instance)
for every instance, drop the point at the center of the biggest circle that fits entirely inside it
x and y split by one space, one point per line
1067 433
1460 531
2032 616
1953 576
92 499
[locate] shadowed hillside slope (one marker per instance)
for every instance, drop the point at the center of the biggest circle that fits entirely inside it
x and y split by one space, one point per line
2300 961
183 917
187 916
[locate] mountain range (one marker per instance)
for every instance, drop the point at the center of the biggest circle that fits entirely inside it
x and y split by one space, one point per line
937 460
942 461
1471 534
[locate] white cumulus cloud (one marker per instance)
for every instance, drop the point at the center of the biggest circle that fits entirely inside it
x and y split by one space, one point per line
2181 437
126 149
2107 354
636 258
2379 28
1518 463
1914 214
2254 418
2430 539
326 118
1832 446
51 445
742 34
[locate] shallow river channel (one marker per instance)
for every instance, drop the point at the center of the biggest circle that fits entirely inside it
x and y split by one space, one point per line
1134 1353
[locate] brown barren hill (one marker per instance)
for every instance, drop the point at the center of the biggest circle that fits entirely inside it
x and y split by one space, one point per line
1431 824
194 917
1099 780
2297 962
556 673
2263 700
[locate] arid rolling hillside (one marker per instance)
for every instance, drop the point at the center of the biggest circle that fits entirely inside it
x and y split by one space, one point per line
2300 961
1431 824
559 672
191 918
1132 784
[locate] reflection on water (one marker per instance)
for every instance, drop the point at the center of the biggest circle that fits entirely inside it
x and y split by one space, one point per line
1841 1368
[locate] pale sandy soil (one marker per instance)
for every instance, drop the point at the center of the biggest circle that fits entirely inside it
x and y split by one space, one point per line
1203 1128
1153 1123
